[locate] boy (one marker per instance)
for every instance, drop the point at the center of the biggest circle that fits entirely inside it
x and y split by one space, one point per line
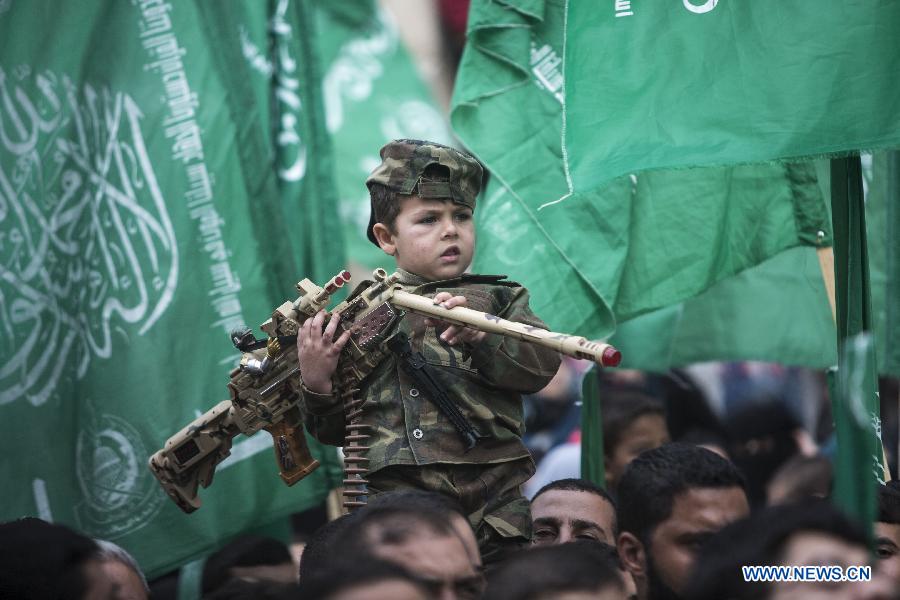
423 199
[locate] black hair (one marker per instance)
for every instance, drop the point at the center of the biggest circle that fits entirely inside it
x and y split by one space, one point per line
576 485
242 589
348 572
319 551
415 499
576 566
384 523
244 551
648 487
620 410
760 540
386 202
40 560
762 439
889 503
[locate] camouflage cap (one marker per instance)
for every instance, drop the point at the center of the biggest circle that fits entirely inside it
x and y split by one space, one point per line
404 161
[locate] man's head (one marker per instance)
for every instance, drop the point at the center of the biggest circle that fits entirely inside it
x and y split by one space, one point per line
423 198
571 509
811 532
413 500
41 560
670 500
887 530
362 578
122 570
632 423
249 557
421 540
583 569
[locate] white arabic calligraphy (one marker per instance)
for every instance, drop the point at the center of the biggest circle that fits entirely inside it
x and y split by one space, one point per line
86 243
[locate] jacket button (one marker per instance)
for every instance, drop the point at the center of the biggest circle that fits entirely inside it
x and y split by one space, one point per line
414 393
417 433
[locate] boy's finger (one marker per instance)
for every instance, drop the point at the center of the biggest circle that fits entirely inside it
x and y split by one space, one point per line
303 334
442 296
450 333
317 321
455 301
332 326
342 340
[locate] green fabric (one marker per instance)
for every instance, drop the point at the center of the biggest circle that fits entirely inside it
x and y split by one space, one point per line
882 176
855 398
889 353
373 94
614 252
673 84
776 311
140 221
592 465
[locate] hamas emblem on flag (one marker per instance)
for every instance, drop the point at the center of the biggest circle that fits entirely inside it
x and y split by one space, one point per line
120 494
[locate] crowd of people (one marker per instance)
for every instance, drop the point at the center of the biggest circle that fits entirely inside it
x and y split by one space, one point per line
672 520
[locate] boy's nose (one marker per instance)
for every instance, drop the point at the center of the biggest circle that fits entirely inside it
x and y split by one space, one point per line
449 229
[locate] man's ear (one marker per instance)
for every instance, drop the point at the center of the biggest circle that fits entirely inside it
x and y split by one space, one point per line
385 238
632 554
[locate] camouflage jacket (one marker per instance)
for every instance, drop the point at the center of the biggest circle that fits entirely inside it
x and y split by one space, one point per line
485 381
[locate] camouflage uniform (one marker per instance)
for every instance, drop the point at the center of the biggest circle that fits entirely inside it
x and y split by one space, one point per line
414 445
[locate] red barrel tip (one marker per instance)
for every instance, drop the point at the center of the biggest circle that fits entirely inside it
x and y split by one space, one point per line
345 275
338 282
610 357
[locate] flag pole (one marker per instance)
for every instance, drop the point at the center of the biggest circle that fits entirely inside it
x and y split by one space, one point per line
826 264
854 396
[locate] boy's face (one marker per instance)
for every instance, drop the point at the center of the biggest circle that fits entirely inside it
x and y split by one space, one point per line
434 239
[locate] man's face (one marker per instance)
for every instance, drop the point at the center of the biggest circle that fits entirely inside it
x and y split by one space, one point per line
816 548
646 432
561 516
434 239
697 514
441 560
887 549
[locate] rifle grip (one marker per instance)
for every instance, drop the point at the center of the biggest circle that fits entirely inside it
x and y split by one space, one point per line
291 452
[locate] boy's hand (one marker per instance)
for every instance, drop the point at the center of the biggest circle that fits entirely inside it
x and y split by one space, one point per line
454 334
318 351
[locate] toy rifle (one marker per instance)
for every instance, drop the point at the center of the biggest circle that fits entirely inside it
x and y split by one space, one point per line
264 389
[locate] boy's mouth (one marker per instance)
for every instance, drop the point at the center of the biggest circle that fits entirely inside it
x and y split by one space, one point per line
451 253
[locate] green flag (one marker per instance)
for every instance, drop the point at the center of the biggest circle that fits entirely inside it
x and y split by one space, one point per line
373 94
140 221
638 244
881 173
777 311
671 84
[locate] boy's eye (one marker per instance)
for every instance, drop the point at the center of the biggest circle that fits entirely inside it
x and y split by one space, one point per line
463 216
428 219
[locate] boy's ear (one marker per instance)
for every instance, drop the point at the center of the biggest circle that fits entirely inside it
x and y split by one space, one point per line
385 238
